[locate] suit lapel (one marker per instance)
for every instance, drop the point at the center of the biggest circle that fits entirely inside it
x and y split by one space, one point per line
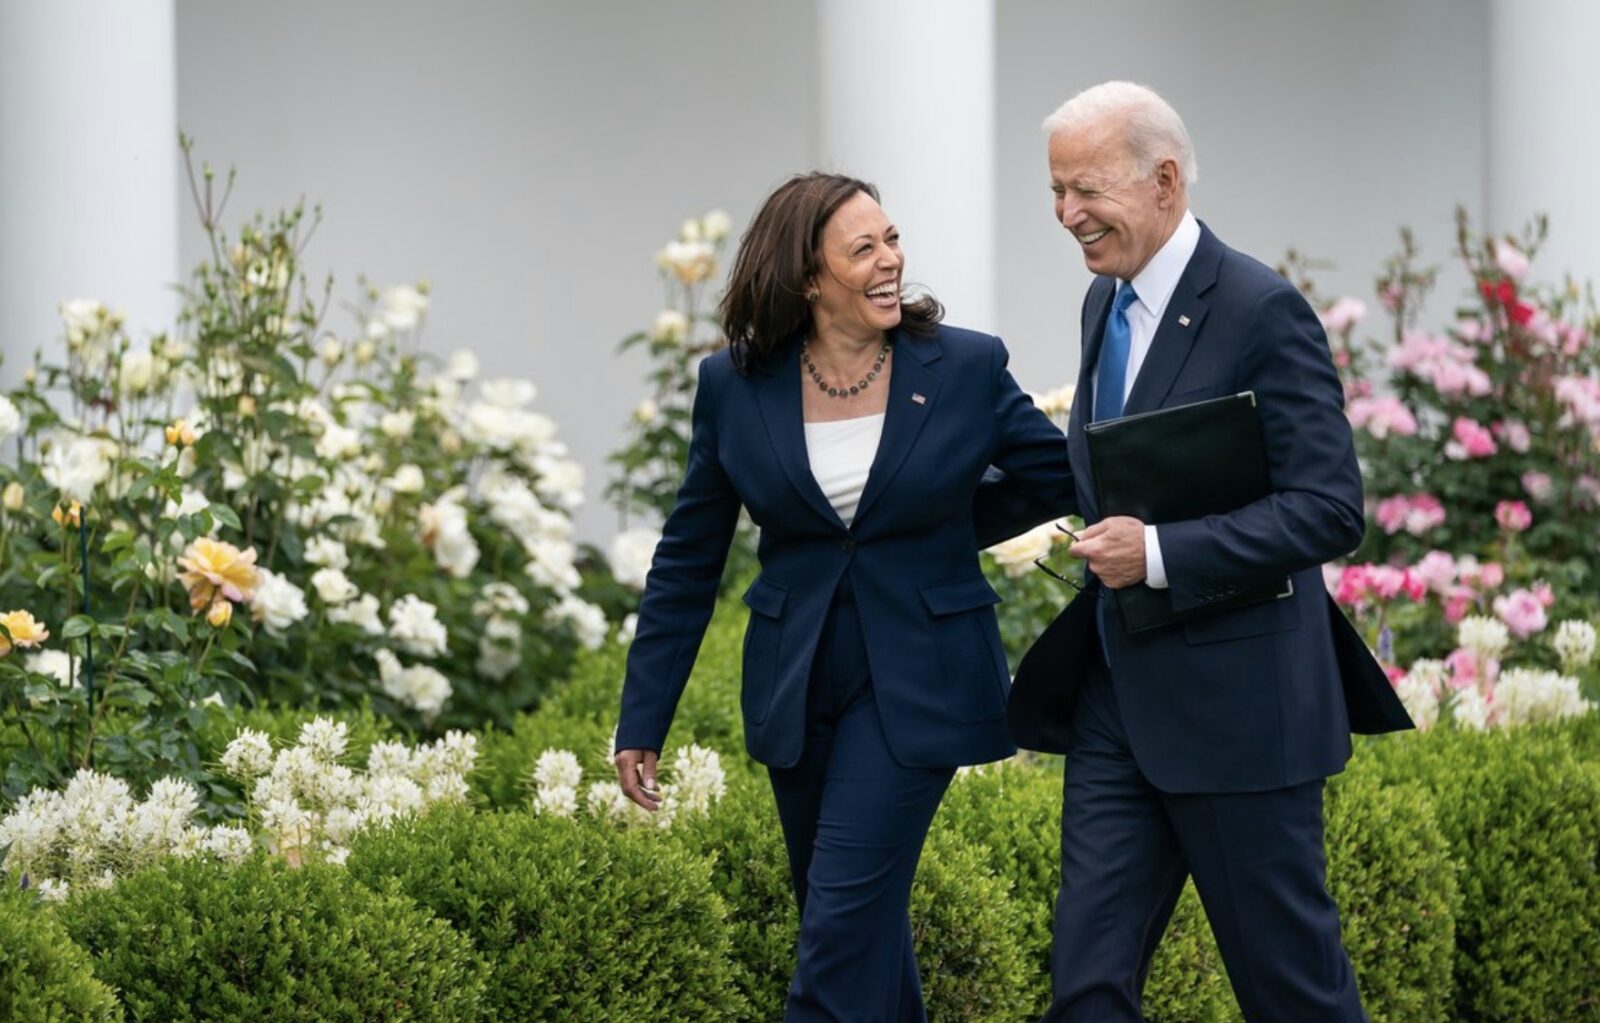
1096 307
913 391
1179 327
778 397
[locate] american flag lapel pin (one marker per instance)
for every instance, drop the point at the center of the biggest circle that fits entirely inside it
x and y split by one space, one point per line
919 399
1183 321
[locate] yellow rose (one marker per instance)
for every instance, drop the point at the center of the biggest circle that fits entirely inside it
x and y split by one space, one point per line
24 630
14 496
212 567
71 515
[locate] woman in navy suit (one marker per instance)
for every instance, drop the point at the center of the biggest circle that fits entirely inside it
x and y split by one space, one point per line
855 427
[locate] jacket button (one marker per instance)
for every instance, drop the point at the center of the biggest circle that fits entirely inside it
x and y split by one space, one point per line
847 546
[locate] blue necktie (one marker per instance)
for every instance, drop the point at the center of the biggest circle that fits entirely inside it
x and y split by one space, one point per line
1111 377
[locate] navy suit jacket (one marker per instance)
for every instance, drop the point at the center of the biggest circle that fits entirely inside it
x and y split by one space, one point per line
933 644
1255 698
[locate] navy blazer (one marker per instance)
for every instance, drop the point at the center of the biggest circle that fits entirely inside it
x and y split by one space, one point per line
933 644
1255 698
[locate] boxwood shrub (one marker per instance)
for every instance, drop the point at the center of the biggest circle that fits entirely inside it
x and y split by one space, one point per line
579 920
44 977
1521 811
199 941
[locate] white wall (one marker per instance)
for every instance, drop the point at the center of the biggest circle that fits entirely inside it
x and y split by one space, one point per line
1319 126
528 159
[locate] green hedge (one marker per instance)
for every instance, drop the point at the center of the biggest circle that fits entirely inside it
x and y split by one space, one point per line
1521 812
199 941
580 921
44 977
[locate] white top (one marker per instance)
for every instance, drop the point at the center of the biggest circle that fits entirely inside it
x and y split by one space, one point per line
1154 287
841 454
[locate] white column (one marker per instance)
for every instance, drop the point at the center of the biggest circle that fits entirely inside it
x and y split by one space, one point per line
1544 83
906 101
88 138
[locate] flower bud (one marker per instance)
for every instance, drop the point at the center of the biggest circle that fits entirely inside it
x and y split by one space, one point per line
247 406
220 614
180 434
366 351
71 515
332 351
13 496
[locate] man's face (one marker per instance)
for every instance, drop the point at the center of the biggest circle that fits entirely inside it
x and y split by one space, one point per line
1120 217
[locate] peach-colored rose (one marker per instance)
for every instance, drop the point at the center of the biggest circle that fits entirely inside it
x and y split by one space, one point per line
24 629
213 567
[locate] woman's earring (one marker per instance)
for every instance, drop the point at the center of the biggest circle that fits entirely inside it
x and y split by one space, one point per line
813 295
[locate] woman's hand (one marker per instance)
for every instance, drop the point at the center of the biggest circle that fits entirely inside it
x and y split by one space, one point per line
636 773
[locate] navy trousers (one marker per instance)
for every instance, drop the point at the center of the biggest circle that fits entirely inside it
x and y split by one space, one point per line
854 822
1126 850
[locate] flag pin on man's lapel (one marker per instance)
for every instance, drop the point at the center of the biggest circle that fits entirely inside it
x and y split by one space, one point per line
919 399
1183 321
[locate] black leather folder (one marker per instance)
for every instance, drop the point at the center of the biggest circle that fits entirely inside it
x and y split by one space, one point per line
1177 464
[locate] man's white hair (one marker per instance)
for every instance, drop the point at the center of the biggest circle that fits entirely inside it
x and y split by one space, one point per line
1155 131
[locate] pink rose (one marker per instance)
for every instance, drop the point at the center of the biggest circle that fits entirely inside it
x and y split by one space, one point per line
1546 595
1515 434
1414 585
1331 574
1513 516
1472 331
1522 612
1354 585
1573 340
1458 605
1538 485
1510 260
1343 315
1382 416
1437 571
1425 514
1386 581
1463 668
1391 514
1395 673
1491 575
1472 440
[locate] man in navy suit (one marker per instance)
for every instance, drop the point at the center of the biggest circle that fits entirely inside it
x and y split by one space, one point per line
1198 749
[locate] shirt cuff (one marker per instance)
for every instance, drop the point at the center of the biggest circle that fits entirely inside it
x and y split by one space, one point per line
1155 572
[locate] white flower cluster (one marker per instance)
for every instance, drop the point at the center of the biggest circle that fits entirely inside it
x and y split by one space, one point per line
1575 645
310 806
1484 636
420 686
693 784
1525 696
632 552
95 831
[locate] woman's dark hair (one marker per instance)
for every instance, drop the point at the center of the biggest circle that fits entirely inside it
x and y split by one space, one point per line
765 309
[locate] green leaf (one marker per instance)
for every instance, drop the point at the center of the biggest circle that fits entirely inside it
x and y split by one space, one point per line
77 625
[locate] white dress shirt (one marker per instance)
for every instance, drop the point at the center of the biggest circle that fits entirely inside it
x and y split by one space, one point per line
1154 286
841 454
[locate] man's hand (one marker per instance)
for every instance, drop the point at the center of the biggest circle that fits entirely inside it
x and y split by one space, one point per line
1114 549
636 773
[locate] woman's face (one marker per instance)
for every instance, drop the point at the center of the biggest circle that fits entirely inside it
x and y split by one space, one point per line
858 284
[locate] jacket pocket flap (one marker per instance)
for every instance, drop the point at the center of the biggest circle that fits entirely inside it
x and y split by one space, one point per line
953 598
766 597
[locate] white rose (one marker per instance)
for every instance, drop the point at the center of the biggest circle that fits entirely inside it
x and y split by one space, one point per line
463 365
398 425
716 225
1018 554
671 327
588 622
631 554
647 412
333 586
10 418
509 393
361 613
75 465
278 603
407 479
414 624
401 307
327 552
